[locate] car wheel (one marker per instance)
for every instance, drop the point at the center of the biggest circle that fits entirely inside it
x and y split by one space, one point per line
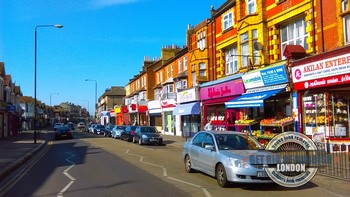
188 164
140 141
221 176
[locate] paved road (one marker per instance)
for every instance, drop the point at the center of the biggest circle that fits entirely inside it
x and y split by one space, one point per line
75 168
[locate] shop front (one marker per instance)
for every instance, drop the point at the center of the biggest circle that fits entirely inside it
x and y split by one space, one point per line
155 114
133 114
322 83
125 115
187 112
213 96
265 108
168 105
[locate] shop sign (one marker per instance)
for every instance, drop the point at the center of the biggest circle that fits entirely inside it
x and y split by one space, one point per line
187 96
111 112
225 89
327 81
334 66
11 108
169 103
104 113
142 108
117 110
271 75
124 109
155 104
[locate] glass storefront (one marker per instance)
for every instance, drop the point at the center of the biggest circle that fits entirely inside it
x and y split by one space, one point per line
169 125
190 125
327 113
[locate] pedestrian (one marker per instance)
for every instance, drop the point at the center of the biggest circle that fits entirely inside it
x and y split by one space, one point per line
208 126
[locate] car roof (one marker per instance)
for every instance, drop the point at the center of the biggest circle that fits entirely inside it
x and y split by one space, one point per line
223 132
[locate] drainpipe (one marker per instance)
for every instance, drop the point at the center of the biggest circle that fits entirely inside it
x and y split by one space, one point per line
321 24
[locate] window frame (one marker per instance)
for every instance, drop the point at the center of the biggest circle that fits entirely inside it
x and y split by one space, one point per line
227 20
231 63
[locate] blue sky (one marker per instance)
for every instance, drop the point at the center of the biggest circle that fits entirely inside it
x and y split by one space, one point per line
103 40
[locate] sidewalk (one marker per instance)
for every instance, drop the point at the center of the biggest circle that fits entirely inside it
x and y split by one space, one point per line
16 150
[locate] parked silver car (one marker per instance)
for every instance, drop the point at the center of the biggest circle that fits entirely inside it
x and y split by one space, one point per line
117 130
226 155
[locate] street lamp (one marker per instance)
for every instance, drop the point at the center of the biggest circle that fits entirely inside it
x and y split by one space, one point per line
51 96
35 100
95 94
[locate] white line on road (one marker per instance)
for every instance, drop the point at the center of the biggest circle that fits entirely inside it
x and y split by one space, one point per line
65 172
205 191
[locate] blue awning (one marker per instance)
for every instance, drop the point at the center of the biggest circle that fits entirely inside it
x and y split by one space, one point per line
187 109
251 100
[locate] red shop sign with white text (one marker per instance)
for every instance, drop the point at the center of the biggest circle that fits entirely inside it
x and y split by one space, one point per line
322 82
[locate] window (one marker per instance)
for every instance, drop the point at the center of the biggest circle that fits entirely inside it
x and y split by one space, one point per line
255 51
227 20
244 49
142 96
251 6
184 84
194 79
346 21
157 94
181 85
201 41
185 63
161 76
178 85
202 69
179 64
231 61
293 33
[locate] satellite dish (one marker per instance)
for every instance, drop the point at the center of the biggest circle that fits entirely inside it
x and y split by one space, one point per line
258 46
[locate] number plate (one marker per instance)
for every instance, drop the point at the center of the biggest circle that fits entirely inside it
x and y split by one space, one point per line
153 140
262 174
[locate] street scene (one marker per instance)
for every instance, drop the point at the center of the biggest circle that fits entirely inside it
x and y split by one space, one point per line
155 98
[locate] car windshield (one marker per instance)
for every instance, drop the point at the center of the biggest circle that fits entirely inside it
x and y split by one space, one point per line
63 129
148 130
237 142
120 127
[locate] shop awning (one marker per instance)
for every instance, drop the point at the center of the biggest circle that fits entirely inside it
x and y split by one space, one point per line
187 109
252 99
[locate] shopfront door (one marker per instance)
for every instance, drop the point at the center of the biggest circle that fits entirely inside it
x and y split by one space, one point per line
230 116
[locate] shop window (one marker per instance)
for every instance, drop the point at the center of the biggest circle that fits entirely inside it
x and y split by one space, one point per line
293 33
326 113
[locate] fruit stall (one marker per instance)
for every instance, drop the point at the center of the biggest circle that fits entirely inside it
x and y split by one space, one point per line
270 127
239 124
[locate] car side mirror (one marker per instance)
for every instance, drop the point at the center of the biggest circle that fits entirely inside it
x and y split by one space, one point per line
209 147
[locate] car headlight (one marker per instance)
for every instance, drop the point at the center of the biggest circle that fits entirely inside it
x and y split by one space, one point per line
238 163
144 136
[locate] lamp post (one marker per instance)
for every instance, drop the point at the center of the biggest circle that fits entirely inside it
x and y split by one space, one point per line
35 100
95 94
51 96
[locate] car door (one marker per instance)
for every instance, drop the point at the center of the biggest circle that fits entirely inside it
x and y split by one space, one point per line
194 150
207 157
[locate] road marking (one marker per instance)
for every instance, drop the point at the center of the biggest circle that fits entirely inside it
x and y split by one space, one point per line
23 171
65 172
205 191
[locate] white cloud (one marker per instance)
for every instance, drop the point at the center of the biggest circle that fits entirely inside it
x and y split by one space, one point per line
107 3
